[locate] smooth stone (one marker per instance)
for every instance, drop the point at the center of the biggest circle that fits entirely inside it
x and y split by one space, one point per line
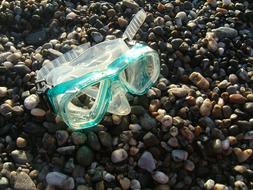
147 162
78 138
3 91
122 22
84 156
23 181
71 16
226 2
176 43
242 155
66 150
225 32
105 138
125 183
4 183
21 69
199 80
237 99
147 122
31 101
119 155
3 56
219 186
160 177
150 139
93 141
21 142
248 107
248 135
97 37
206 107
189 165
209 184
61 137
179 155
179 92
109 177
130 4
21 156
14 57
34 128
60 180
240 168
38 112
135 184
240 185
36 38
5 109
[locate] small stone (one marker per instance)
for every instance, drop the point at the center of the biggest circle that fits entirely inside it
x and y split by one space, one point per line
147 122
240 185
226 2
242 156
217 146
240 168
84 156
209 184
105 138
160 177
66 150
97 37
130 4
71 16
199 80
78 138
248 107
109 177
150 139
60 180
61 137
38 112
219 186
135 184
206 107
4 183
179 92
225 32
122 22
21 142
248 135
23 181
189 165
237 99
21 69
93 141
14 57
147 162
179 155
125 183
21 156
119 155
31 102
5 109
3 91
36 38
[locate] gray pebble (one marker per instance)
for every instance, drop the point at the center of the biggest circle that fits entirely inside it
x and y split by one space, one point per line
61 137
4 183
36 38
21 156
147 162
78 138
105 138
147 122
23 181
60 180
179 155
225 32
160 177
97 37
119 155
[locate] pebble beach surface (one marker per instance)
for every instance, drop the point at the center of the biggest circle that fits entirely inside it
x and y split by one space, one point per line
192 130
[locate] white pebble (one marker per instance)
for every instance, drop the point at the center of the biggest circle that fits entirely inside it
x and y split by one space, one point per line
160 177
119 155
31 102
3 91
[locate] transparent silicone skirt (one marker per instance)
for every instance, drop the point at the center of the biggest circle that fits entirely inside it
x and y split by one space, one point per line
82 102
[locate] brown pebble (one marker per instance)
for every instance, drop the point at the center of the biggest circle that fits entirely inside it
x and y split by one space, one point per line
219 186
206 107
37 112
217 111
250 97
199 80
242 155
179 92
237 99
122 22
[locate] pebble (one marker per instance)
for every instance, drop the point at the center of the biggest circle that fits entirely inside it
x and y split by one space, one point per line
23 181
31 102
125 183
122 22
14 57
105 138
226 2
199 80
97 37
21 156
109 177
179 92
237 99
38 112
147 122
160 177
147 162
3 91
135 184
219 186
78 138
21 142
179 155
4 183
61 137
248 135
225 32
84 156
150 139
206 107
60 180
242 155
240 185
248 107
130 4
209 184
93 141
71 16
119 155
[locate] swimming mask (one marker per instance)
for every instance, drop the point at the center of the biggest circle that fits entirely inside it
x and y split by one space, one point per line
86 82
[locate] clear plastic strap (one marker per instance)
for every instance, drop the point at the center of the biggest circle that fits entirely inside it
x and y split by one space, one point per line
135 25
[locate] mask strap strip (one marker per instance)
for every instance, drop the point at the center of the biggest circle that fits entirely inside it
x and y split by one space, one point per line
135 25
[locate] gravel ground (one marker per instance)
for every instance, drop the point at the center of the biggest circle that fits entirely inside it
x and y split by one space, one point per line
192 130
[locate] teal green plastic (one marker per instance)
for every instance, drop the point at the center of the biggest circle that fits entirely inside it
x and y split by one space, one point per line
134 63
